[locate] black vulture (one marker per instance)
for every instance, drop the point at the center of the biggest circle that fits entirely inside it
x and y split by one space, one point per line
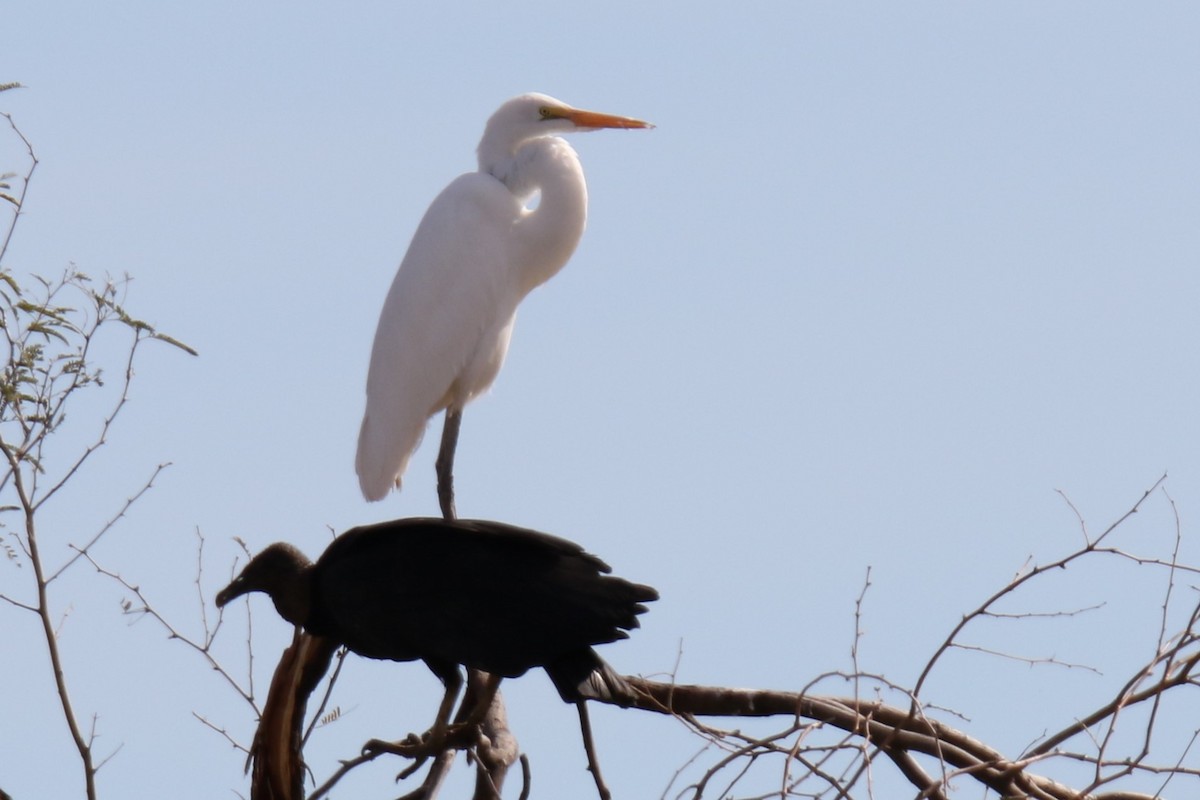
474 593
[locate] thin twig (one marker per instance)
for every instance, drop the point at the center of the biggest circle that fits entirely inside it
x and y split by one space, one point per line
129 501
204 649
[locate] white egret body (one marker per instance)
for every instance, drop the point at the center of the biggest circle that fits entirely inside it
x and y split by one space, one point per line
446 323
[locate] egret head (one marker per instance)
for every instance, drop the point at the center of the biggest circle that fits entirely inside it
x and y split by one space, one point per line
529 116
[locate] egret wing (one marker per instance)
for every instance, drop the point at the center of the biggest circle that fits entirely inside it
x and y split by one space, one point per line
444 327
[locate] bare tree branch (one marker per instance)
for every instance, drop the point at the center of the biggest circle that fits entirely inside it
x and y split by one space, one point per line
49 342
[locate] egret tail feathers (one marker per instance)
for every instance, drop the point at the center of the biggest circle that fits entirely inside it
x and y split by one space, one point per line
383 457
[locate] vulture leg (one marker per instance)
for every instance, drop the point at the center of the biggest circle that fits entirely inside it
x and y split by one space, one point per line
445 461
589 747
433 741
462 731
491 685
453 680
445 759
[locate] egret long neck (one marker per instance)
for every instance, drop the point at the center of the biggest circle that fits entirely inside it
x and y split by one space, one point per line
546 236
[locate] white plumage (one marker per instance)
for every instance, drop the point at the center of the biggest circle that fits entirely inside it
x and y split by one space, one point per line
447 319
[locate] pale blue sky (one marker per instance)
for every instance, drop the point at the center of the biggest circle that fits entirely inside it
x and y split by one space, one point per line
884 278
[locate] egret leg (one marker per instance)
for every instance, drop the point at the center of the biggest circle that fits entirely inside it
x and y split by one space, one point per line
589 747
445 461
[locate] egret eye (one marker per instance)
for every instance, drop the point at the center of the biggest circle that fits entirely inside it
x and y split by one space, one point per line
545 112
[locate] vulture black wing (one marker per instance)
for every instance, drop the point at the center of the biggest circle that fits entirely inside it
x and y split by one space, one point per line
483 594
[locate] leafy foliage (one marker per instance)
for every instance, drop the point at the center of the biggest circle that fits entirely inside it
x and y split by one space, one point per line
49 328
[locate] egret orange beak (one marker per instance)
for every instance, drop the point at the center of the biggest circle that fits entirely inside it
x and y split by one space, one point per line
593 120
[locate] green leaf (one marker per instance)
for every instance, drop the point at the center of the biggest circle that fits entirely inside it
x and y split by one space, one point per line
171 340
46 330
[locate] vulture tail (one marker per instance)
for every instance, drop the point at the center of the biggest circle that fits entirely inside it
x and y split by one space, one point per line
583 675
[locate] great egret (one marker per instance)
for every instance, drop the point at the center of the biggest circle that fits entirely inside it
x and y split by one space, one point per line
476 593
446 323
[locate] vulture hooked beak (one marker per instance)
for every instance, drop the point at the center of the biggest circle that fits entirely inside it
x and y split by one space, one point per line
235 589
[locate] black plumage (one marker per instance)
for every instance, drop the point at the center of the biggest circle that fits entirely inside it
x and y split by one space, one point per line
480 594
